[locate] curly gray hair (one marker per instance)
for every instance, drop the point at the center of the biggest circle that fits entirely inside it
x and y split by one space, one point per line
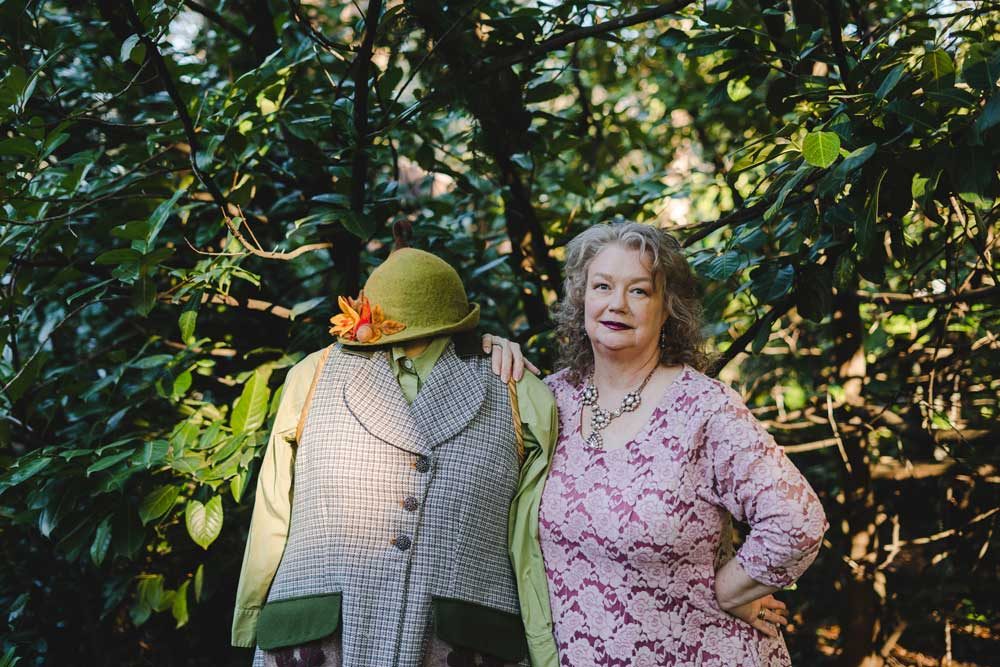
681 301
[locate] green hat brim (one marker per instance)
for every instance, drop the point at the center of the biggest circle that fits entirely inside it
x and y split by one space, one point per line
467 323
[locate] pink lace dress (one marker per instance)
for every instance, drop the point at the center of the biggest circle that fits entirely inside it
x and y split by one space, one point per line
630 535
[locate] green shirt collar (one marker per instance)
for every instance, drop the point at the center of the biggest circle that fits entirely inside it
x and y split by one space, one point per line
423 363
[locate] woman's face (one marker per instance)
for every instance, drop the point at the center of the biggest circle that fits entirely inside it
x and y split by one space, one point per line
623 305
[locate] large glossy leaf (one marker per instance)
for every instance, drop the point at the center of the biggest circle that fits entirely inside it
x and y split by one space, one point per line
821 149
204 521
250 409
158 502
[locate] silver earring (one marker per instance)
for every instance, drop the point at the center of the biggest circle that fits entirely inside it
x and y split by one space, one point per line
663 338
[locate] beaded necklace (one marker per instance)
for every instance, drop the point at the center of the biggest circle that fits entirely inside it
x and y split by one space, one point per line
601 418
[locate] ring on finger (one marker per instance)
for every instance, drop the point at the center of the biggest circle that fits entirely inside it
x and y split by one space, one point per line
760 614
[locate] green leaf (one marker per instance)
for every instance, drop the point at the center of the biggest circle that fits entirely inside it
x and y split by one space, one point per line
119 256
153 452
9 659
199 580
108 461
158 502
24 470
179 608
542 92
250 409
989 116
864 228
738 90
127 46
361 225
144 295
834 182
821 149
981 69
814 292
238 484
160 215
23 381
186 322
856 158
912 115
204 522
181 384
726 265
305 306
890 81
771 281
102 540
938 67
763 335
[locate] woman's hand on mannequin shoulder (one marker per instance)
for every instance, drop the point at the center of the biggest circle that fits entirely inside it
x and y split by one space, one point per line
507 359
770 621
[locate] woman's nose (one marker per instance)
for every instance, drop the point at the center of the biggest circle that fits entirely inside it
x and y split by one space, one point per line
618 301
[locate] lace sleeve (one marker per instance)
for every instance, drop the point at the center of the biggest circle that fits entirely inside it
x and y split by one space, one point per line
757 483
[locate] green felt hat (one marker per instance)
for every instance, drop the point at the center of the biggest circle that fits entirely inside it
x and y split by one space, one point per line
414 289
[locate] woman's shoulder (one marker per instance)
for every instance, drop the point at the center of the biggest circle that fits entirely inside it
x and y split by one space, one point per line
559 384
712 395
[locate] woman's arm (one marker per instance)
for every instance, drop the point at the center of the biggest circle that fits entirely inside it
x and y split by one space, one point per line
754 480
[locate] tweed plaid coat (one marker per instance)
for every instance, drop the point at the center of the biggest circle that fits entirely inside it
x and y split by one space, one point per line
398 532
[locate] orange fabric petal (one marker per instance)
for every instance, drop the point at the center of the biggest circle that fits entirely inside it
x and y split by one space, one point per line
390 327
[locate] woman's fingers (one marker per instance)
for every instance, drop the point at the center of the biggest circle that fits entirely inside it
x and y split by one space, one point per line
769 629
531 367
497 360
772 602
517 370
487 343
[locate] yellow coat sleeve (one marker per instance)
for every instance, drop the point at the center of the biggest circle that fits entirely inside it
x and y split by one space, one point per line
272 505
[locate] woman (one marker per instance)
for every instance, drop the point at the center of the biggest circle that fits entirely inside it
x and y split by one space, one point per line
651 457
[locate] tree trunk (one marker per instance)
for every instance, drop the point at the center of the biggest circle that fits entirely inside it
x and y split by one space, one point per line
860 623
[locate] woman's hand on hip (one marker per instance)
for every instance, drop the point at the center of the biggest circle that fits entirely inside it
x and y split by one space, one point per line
766 614
507 358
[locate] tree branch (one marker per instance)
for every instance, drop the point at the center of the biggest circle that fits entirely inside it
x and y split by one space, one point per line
153 53
892 298
314 34
833 16
567 37
740 344
255 248
359 162
220 20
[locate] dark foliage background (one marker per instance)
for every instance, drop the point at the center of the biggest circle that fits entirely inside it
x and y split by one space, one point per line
185 187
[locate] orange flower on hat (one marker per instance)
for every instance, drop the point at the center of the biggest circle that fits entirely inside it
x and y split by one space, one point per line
360 321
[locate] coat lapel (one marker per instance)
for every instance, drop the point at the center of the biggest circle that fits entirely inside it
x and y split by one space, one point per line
450 399
374 398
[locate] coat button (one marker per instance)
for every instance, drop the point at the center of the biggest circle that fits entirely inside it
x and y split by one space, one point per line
409 503
422 464
402 542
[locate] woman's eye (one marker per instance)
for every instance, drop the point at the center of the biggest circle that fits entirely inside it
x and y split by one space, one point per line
640 291
600 286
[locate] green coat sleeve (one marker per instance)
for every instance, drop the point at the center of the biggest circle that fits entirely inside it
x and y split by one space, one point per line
272 506
541 424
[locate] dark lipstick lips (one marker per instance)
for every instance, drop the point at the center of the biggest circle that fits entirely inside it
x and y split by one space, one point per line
618 326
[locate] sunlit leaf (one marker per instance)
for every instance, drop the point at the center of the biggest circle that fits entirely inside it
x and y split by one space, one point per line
204 521
821 149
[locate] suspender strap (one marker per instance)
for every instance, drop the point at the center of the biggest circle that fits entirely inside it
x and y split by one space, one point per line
515 412
309 396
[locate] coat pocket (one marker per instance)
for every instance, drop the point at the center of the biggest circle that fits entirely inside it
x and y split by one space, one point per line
297 621
482 629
